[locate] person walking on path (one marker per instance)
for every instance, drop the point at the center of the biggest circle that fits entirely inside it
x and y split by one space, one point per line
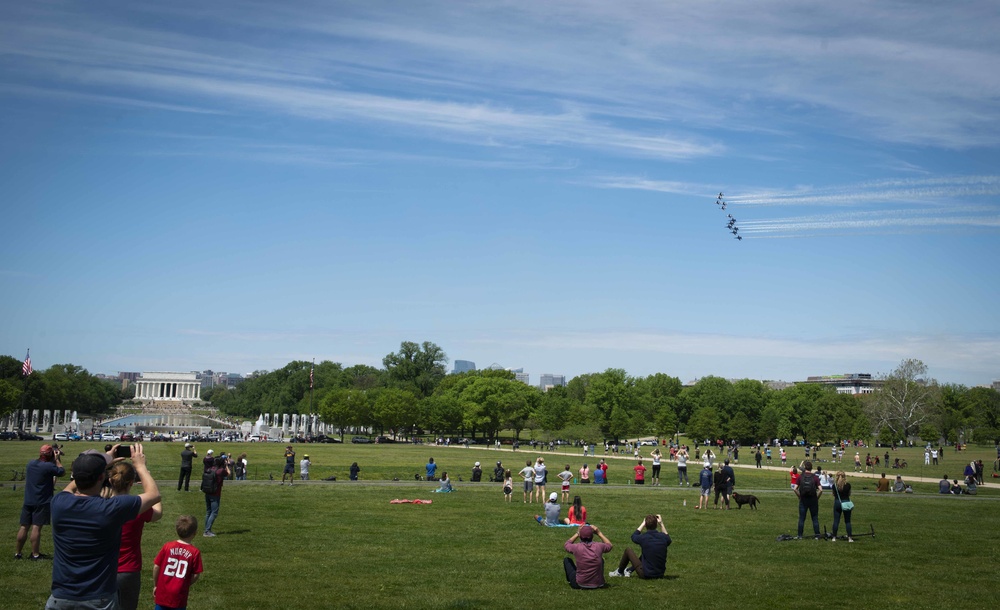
187 459
39 483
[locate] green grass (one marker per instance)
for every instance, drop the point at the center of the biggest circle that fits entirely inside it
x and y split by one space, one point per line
343 545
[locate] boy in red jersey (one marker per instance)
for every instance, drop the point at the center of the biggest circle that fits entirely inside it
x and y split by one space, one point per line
177 567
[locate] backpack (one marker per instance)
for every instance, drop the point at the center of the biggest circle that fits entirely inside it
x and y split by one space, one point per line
239 468
807 485
209 484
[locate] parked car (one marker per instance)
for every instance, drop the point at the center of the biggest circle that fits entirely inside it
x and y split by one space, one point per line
383 440
60 437
27 436
73 436
361 440
111 438
8 436
254 438
322 438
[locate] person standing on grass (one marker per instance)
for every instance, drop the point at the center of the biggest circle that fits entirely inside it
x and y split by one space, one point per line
304 468
187 458
588 570
541 475
565 476
214 498
288 472
730 475
757 457
656 456
39 483
841 496
528 474
640 473
767 454
208 462
431 469
499 473
87 531
508 485
705 480
241 467
784 456
121 476
653 543
857 461
682 468
177 566
808 492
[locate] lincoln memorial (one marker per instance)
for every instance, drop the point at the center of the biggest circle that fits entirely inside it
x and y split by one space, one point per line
168 387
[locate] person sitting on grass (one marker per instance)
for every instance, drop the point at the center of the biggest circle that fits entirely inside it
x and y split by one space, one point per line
899 486
577 512
588 571
971 486
956 489
552 510
883 484
653 543
445 484
943 486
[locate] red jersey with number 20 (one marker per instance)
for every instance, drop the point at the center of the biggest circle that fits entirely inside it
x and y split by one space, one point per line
177 563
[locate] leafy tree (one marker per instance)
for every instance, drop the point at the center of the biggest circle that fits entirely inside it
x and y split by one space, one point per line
610 391
418 368
740 428
704 424
985 406
929 434
10 396
343 408
395 409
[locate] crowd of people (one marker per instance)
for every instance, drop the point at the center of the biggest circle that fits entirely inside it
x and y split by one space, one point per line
97 526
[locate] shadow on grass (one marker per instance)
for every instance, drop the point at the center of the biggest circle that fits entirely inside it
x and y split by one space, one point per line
233 532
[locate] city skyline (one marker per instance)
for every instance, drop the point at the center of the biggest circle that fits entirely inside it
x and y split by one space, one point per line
242 184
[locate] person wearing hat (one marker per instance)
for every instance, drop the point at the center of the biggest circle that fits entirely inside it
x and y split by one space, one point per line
304 468
209 461
477 473
552 510
588 571
39 483
87 531
498 473
289 465
187 457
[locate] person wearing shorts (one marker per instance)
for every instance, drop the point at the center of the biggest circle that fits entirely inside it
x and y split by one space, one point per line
565 476
528 472
705 480
39 484
289 466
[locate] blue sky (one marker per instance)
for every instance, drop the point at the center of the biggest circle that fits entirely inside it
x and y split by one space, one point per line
234 185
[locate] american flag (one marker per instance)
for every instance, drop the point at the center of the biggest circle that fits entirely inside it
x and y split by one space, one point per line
311 370
26 367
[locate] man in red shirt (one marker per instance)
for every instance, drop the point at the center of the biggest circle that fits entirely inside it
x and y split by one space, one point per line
640 473
177 567
588 571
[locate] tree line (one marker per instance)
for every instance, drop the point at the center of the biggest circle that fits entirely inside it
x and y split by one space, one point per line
59 387
411 393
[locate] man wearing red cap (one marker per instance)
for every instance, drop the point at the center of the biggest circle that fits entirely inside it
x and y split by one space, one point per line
39 483
588 571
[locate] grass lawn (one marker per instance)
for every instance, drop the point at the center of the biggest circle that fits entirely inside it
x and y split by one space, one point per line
343 545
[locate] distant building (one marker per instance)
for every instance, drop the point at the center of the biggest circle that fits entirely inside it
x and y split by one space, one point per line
207 378
996 385
129 377
848 383
548 381
778 385
462 366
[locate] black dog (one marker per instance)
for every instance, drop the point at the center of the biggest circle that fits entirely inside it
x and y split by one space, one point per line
742 499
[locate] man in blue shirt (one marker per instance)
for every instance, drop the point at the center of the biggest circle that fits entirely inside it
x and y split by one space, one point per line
653 542
87 531
39 482
431 469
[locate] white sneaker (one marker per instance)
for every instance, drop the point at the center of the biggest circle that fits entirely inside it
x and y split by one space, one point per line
614 574
628 573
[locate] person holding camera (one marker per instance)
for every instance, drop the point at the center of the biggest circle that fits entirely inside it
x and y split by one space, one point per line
653 542
39 483
187 458
87 531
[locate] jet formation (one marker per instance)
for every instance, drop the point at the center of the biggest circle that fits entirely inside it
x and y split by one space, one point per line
731 225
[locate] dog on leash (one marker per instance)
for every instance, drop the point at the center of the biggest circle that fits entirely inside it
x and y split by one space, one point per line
742 499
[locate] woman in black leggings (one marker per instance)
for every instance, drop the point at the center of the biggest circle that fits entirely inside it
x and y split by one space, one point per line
842 494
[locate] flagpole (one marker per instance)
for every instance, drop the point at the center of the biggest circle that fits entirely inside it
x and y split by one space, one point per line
311 371
26 371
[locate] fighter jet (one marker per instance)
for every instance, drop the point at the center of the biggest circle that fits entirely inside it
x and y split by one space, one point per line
720 195
739 237
736 230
